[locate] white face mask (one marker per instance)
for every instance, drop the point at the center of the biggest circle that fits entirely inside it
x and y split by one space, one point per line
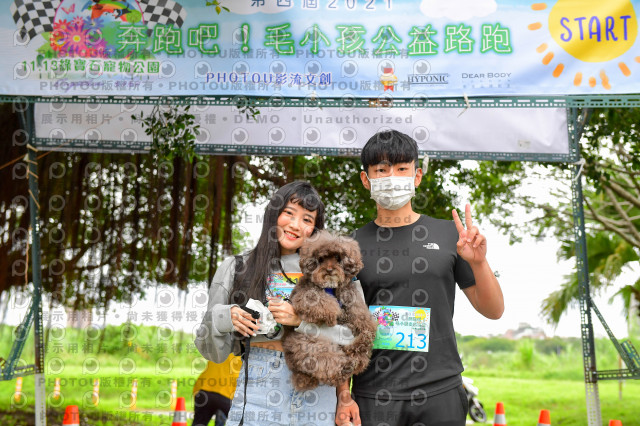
393 192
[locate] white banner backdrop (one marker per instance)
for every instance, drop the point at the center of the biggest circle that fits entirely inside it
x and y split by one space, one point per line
482 130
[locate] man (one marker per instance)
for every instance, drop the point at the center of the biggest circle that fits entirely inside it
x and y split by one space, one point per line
412 263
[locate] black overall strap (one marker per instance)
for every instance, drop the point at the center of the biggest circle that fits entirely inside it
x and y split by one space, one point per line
246 347
289 280
245 359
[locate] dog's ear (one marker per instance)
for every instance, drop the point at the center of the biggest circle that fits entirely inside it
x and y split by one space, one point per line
305 251
352 266
352 259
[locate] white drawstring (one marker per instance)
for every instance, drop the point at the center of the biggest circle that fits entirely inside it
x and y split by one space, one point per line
468 105
580 163
425 164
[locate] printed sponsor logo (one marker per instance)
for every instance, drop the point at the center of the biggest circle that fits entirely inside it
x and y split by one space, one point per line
432 79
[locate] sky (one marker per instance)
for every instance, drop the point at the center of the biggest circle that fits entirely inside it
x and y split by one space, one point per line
529 271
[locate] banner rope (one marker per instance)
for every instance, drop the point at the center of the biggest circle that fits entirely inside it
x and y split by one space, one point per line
49 151
580 163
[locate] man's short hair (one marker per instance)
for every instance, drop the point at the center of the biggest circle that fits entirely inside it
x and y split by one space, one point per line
389 146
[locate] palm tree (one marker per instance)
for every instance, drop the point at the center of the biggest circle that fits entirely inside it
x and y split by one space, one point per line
608 256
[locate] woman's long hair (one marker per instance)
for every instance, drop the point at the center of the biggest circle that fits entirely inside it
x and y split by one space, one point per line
251 282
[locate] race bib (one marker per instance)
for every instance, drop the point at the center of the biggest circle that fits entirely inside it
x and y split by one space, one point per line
401 328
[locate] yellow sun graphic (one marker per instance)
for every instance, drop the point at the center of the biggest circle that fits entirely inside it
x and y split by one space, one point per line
420 314
594 31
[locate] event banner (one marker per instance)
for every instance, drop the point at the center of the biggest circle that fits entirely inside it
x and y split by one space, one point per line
110 127
328 48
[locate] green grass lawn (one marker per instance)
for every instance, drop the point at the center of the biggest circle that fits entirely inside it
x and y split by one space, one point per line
526 376
565 399
113 407
523 398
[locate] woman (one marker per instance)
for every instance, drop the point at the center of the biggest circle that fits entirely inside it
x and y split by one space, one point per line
268 273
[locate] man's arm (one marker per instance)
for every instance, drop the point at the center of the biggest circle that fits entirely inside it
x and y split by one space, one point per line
486 296
347 410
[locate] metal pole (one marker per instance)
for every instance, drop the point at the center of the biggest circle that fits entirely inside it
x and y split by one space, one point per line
620 381
36 275
588 347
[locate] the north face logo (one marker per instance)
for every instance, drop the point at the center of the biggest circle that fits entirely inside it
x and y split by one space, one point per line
431 246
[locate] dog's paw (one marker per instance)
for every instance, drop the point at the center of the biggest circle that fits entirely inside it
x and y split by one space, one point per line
349 368
360 364
332 312
310 365
331 321
302 382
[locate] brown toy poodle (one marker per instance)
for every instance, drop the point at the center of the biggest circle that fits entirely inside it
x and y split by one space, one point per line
327 295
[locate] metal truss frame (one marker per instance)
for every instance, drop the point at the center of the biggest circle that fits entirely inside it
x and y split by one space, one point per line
576 124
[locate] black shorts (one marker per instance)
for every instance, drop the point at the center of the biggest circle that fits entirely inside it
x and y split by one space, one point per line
209 404
449 408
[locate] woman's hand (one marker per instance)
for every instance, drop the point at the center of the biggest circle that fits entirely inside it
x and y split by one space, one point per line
283 312
243 322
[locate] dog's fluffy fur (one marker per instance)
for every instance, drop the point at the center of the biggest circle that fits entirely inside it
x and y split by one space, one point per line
328 261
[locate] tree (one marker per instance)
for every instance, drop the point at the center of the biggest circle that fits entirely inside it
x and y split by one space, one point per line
611 149
114 225
171 222
608 256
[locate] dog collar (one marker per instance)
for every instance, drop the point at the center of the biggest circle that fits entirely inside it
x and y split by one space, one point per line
332 291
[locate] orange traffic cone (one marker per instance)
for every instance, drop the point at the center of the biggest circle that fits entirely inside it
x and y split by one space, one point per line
180 416
545 418
71 416
615 423
499 419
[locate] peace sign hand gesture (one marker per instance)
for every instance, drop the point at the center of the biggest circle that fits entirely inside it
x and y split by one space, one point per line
471 246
